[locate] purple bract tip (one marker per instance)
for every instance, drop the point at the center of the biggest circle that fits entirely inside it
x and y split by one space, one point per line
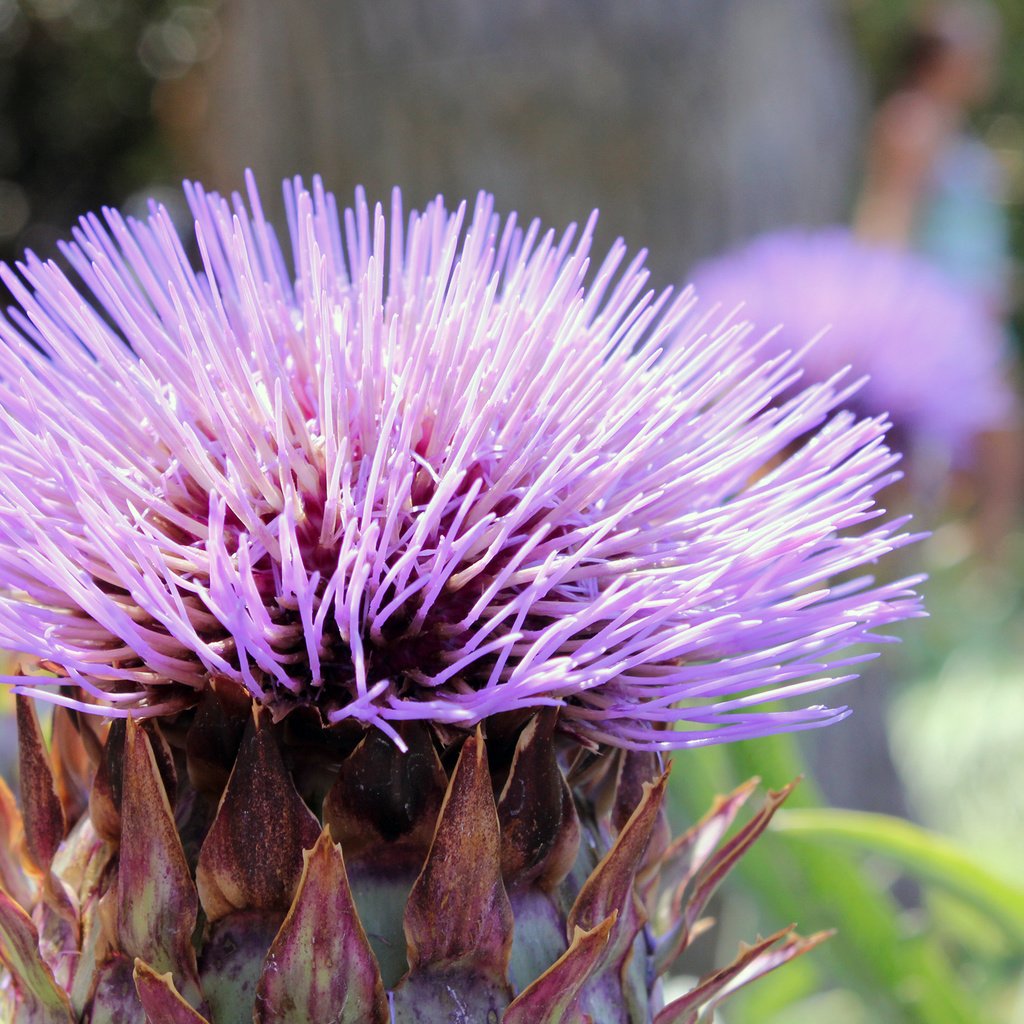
437 469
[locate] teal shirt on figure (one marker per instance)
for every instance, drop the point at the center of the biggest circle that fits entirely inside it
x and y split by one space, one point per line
962 227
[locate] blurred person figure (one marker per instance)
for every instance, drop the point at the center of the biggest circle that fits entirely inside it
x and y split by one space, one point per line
930 185
933 187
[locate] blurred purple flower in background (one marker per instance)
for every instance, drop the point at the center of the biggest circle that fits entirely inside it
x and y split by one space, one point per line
933 357
430 473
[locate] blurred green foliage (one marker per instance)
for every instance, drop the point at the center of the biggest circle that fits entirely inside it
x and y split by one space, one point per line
955 959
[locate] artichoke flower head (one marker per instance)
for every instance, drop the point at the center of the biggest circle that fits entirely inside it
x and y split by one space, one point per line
371 579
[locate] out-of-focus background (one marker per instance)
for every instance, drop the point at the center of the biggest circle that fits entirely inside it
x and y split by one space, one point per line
695 126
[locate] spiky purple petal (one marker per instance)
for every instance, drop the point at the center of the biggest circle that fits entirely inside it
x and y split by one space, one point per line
438 470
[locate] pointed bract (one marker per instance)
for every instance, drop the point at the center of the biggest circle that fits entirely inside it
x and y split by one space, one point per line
610 888
105 793
101 904
550 998
457 916
72 768
384 795
724 859
43 813
681 862
160 999
215 735
458 920
320 966
540 831
40 1000
12 835
751 963
252 857
157 899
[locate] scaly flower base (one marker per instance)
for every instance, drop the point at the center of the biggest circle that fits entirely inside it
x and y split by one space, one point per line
222 868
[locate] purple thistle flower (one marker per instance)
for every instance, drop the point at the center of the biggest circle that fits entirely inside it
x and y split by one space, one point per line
918 336
425 474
